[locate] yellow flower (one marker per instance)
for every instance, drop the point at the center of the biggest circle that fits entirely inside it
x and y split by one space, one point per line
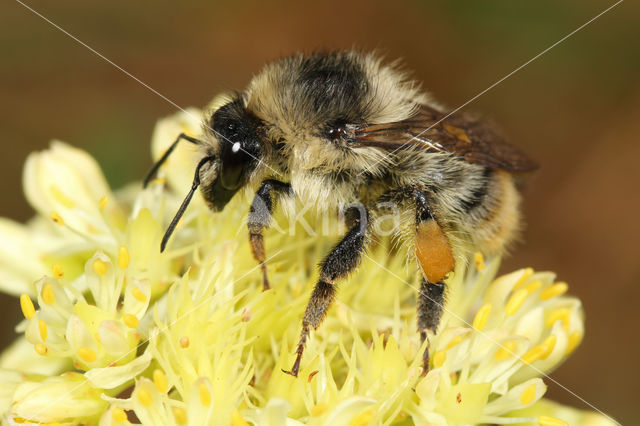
66 184
67 398
118 329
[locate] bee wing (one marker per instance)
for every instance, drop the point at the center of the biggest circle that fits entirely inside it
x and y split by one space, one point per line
460 134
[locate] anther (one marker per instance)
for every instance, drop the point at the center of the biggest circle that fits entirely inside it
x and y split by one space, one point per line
42 326
123 257
555 290
205 395
138 294
57 272
160 380
528 395
26 305
515 301
61 198
57 218
87 354
48 295
145 397
119 415
130 320
482 316
41 349
103 202
99 267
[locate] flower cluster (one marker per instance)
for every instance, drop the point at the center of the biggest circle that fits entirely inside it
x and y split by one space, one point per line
116 332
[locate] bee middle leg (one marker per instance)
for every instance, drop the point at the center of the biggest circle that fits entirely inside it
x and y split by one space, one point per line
260 218
342 260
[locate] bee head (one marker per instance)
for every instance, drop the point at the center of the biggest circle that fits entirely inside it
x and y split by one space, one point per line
230 158
239 150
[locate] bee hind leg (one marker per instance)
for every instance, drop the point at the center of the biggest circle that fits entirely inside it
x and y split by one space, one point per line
430 307
260 218
343 259
436 260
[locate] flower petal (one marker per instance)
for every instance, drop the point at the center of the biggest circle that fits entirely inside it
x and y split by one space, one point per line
111 377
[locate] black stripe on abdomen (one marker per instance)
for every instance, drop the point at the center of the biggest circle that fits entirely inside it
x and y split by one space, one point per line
476 197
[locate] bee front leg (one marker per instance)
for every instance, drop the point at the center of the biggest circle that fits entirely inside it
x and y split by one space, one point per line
436 260
260 218
342 260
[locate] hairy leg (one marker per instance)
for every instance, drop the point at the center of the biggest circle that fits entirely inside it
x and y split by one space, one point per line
260 218
342 260
430 307
435 258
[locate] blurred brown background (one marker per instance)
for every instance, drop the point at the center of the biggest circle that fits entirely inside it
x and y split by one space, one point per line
576 109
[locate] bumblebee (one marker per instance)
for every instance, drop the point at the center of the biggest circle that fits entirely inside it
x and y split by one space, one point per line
344 131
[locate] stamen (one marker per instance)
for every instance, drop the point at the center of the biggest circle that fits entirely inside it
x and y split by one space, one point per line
41 349
87 354
179 415
456 340
184 342
237 420
362 419
528 395
138 294
130 320
439 358
57 272
48 295
160 380
27 306
562 314
574 340
145 397
549 343
551 421
119 415
526 274
123 257
482 316
100 267
534 354
555 290
205 395
61 198
42 326
515 301
103 202
478 259
533 286
57 219
506 351
318 409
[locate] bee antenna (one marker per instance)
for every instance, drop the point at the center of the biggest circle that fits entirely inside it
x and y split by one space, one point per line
166 154
185 202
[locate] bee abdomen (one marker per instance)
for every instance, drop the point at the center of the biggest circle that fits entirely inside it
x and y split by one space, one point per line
499 223
476 197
